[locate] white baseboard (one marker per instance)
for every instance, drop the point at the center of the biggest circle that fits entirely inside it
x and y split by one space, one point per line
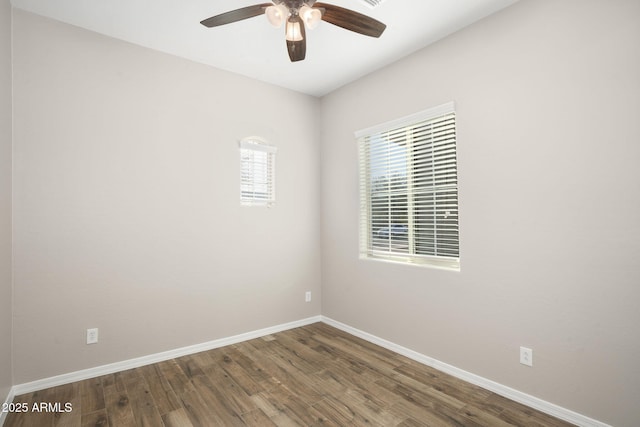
502 390
154 358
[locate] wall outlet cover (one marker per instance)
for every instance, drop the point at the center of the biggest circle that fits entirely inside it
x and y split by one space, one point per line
526 356
92 336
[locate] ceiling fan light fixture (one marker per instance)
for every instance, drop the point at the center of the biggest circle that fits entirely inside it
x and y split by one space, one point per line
293 30
277 14
310 16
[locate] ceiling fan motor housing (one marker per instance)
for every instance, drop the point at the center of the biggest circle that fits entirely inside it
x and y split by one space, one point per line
295 5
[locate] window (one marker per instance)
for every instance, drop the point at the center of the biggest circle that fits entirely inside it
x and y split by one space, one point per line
409 190
257 166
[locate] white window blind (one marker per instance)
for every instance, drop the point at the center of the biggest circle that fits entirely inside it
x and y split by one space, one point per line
257 170
409 190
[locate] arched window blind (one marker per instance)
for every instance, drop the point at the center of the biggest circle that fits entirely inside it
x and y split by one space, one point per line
409 190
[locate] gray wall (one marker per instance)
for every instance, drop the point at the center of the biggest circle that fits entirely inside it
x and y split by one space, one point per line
5 199
127 210
548 100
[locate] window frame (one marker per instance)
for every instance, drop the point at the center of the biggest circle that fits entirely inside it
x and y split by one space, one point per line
370 249
257 156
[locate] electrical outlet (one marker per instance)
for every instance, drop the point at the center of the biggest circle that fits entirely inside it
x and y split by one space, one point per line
307 296
92 336
526 356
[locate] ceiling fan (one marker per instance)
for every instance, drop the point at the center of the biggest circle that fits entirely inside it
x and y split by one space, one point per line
296 14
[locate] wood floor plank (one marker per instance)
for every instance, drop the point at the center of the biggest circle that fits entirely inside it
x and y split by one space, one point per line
257 418
117 401
18 418
160 388
410 422
200 413
219 382
92 395
69 398
242 357
268 403
31 415
292 357
330 332
300 355
374 393
315 375
413 390
372 406
144 408
298 411
335 412
189 365
231 360
254 366
356 360
177 418
175 377
218 402
98 418
236 398
350 374
516 413
285 373
471 413
538 419
415 413
423 406
349 411
130 374
446 384
367 352
330 383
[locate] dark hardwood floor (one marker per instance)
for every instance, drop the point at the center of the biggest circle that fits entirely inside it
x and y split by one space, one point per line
310 376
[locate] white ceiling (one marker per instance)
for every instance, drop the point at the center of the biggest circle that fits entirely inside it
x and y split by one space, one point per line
255 49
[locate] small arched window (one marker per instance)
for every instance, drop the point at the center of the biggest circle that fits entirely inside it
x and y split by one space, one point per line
257 172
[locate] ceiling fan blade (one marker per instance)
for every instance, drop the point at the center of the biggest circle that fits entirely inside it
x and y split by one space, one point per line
298 49
350 20
236 15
